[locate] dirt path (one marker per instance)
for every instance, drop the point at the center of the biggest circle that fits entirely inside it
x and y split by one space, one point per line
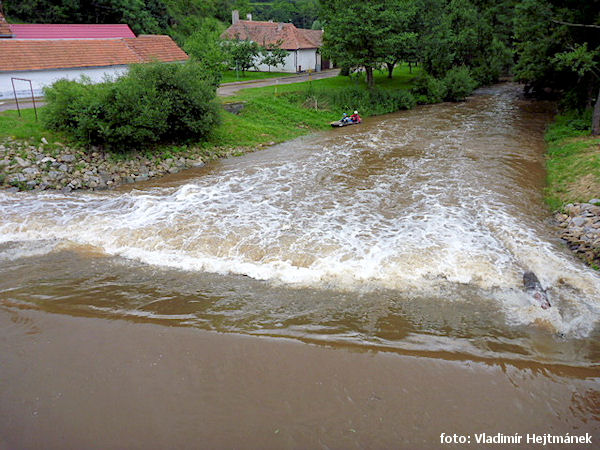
225 90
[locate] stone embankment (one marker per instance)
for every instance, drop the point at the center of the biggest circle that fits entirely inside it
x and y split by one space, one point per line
55 166
581 230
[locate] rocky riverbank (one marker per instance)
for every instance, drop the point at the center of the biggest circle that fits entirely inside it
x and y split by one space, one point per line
581 230
54 166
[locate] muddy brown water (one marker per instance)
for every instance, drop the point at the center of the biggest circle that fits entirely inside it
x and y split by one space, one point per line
358 288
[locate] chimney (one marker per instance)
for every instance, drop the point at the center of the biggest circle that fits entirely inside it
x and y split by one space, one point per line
279 26
235 16
249 17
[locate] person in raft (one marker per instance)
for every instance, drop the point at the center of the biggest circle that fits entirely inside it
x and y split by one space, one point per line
345 118
355 117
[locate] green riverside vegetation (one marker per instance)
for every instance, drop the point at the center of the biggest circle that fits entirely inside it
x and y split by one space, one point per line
230 76
271 114
573 161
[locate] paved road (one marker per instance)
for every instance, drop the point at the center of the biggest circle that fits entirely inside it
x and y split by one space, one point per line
5 105
225 90
229 89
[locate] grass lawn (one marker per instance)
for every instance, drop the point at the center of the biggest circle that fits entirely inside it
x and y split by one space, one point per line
282 112
573 161
231 76
272 114
573 167
26 127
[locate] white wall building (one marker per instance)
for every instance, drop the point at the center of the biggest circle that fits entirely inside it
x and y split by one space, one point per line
70 51
302 45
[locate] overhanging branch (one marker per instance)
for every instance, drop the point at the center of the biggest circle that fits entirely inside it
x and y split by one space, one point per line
583 25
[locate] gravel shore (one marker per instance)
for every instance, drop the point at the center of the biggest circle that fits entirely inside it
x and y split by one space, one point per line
55 166
580 225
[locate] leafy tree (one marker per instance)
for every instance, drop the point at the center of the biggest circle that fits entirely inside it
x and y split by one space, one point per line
558 49
207 48
273 55
401 44
317 25
243 54
360 34
301 13
456 33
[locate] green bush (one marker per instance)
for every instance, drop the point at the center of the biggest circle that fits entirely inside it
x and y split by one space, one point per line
152 103
459 83
570 124
429 89
369 101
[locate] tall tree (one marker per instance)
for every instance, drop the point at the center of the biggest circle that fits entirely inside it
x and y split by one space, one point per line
558 48
458 33
360 34
207 48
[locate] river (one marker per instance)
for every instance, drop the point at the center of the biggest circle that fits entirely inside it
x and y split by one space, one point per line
380 263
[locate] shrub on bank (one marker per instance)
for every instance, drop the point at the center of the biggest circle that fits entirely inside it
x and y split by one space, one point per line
570 123
429 89
152 103
459 83
369 101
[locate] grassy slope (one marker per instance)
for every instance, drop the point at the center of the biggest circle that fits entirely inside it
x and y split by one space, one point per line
25 127
573 165
278 113
272 114
231 76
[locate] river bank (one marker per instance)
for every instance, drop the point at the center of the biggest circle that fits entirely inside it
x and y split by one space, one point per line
306 296
55 166
573 184
34 158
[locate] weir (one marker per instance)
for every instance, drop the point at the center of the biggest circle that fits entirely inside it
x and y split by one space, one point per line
358 288
410 232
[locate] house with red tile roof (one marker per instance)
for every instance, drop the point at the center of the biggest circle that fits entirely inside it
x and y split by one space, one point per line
302 45
46 53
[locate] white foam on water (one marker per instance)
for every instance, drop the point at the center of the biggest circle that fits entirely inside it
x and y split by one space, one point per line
398 207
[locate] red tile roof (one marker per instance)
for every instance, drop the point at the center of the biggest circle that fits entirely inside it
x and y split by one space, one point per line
58 54
153 47
71 31
5 31
265 33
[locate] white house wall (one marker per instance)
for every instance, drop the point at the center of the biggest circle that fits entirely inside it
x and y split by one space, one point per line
296 60
41 78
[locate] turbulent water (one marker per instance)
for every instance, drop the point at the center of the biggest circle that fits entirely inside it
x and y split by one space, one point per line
410 232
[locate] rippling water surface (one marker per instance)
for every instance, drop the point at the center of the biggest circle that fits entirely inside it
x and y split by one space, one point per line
408 233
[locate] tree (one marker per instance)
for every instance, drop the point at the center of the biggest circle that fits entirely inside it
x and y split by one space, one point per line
360 34
458 33
583 62
273 55
208 49
558 50
403 39
243 54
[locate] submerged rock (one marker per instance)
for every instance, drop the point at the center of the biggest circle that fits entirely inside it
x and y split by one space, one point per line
535 289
